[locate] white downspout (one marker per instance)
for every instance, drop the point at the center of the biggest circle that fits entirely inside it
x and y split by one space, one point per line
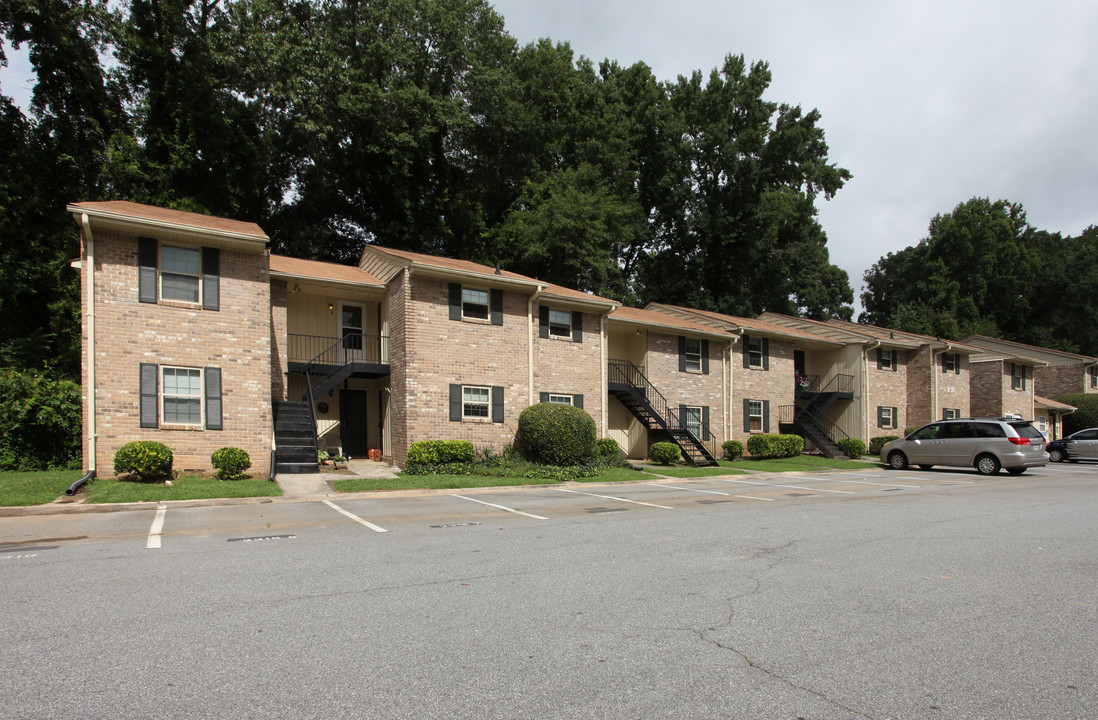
729 386
604 393
530 344
86 223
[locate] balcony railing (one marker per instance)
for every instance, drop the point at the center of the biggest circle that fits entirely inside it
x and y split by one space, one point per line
352 347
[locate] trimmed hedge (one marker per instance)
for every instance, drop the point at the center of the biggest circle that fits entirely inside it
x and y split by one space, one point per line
733 449
143 460
1087 414
439 452
557 434
230 462
607 449
877 444
665 453
853 447
775 446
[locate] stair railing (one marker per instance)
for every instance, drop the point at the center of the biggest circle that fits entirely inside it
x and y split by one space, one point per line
626 373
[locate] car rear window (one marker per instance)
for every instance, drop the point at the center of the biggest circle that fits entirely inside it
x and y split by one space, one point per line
989 430
1024 429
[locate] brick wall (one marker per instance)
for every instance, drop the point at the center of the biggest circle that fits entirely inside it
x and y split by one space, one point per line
1052 382
775 385
888 388
566 367
986 388
236 339
693 388
399 288
930 390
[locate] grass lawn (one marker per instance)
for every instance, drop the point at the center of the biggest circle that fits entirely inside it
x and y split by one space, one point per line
35 488
457 482
800 463
184 487
685 471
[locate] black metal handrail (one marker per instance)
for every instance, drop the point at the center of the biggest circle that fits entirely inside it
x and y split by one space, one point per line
830 429
839 383
326 350
626 373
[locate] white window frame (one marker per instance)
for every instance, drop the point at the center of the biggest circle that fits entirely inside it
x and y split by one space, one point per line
887 418
754 357
560 328
561 399
692 420
200 395
1018 381
692 351
469 303
890 362
1093 372
161 272
469 406
950 362
754 418
951 413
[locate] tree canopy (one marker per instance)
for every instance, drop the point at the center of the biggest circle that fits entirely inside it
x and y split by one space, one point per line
414 124
983 269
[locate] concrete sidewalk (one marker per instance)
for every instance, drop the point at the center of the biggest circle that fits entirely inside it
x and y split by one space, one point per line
314 484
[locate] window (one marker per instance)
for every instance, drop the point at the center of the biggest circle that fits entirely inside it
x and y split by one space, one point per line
951 362
474 402
560 399
179 396
474 304
574 399
951 413
560 324
351 326
1093 371
693 352
179 274
755 415
1042 424
754 352
886 416
886 359
1017 376
692 420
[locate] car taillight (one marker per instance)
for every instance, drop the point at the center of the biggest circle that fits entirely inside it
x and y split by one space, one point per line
1019 440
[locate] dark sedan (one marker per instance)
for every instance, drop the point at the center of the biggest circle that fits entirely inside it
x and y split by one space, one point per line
1082 445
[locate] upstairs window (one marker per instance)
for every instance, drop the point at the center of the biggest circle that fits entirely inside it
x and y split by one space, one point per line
178 274
886 359
951 362
474 304
754 352
1017 376
560 323
693 352
180 269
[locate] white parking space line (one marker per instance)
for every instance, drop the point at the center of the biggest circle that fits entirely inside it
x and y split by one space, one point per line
157 526
354 517
866 482
676 487
501 507
795 487
611 497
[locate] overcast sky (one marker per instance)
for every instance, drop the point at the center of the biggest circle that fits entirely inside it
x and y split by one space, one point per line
928 103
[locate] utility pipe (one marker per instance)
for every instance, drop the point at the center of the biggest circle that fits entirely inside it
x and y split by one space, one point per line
865 388
85 221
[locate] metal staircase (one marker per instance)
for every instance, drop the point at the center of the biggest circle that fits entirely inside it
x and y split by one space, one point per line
295 438
628 384
808 418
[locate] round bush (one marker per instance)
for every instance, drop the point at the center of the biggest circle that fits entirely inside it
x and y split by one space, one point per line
853 447
607 449
557 434
733 449
775 446
665 453
143 460
230 462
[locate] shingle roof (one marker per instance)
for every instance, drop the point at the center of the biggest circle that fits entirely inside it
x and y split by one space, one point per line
124 209
743 323
297 267
651 317
443 263
570 294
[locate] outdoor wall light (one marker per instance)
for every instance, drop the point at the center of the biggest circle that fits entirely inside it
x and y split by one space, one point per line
331 307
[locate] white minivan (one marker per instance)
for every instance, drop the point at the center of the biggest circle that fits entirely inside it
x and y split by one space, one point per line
986 444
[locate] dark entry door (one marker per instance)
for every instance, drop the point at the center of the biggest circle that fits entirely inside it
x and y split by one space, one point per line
798 362
352 422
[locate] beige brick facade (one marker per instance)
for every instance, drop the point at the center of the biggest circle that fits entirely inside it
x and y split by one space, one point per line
931 390
235 339
1052 382
565 367
773 386
886 387
992 393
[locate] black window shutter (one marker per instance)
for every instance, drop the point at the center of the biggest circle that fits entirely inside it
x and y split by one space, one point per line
746 340
146 271
766 355
497 403
577 326
895 417
746 415
149 409
895 360
705 357
455 402
682 353
213 398
543 397
880 358
577 400
455 304
766 416
944 356
957 363
880 416
543 321
705 423
496 297
211 279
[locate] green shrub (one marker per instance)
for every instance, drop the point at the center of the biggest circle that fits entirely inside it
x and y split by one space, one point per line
733 449
775 446
877 444
909 430
143 460
438 452
230 462
665 453
607 449
1087 414
556 434
40 422
853 447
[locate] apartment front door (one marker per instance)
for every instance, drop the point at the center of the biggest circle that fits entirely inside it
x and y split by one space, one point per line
352 422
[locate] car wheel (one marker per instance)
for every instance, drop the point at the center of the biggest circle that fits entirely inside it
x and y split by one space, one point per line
925 467
987 465
1016 471
1056 455
897 460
